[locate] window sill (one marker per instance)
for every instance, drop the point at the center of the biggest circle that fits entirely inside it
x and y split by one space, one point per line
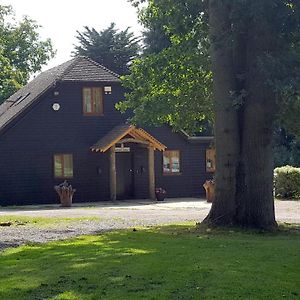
93 115
172 174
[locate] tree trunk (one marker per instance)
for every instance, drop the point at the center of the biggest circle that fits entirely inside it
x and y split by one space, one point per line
226 122
257 207
244 161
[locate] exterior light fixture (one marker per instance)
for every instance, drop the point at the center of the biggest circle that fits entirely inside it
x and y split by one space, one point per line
56 93
107 90
55 106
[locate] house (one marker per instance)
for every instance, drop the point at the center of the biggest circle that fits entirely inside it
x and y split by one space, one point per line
64 125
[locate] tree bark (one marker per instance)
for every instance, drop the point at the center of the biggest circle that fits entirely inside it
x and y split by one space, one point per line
257 209
244 161
226 121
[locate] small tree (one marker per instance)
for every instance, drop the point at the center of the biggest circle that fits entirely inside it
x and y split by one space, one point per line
110 47
22 52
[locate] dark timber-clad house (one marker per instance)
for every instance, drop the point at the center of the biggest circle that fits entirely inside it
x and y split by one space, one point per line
64 125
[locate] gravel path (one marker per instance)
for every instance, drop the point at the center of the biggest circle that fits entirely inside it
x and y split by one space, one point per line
113 216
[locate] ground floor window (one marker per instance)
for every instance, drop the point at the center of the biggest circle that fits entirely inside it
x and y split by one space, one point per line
63 165
171 162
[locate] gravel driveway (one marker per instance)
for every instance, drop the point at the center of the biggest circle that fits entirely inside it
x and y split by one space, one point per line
117 215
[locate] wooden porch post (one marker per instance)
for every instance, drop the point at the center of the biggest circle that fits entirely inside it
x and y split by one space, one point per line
151 172
113 174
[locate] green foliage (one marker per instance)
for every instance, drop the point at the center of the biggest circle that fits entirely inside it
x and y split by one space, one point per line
290 111
287 182
173 262
286 149
157 97
110 47
22 53
177 37
172 82
155 37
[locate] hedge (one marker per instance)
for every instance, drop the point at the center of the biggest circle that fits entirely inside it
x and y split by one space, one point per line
287 182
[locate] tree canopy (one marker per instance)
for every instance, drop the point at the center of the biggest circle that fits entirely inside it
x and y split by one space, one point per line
22 52
177 83
172 82
112 48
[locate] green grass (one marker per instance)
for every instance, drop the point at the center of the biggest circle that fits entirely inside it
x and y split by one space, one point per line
16 220
172 262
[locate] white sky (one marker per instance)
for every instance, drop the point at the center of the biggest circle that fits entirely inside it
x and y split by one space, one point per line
61 18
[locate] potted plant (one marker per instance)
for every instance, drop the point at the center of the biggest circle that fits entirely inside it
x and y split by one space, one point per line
209 187
160 194
65 192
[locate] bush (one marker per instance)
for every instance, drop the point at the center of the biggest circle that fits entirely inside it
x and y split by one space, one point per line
287 182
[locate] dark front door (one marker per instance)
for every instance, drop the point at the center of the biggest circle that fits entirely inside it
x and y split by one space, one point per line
124 170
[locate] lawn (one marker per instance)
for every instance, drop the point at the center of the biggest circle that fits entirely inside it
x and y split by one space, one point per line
171 262
48 222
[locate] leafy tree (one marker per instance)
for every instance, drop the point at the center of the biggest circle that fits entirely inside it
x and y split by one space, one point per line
22 53
172 85
110 47
155 37
252 49
286 149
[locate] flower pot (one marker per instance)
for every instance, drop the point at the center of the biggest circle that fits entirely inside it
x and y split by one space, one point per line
160 197
65 192
209 187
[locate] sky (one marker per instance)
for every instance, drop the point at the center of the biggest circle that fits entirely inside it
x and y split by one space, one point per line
60 19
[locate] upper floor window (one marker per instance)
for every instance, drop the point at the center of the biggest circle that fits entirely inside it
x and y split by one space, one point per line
63 165
92 101
171 162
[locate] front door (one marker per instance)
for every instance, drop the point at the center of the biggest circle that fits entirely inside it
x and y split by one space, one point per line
124 169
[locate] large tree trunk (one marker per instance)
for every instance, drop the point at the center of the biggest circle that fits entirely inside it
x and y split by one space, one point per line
244 177
257 207
226 122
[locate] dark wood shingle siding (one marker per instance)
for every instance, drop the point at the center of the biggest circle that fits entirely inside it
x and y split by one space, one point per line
28 144
192 164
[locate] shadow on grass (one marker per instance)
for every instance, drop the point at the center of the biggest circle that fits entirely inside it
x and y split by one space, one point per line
171 262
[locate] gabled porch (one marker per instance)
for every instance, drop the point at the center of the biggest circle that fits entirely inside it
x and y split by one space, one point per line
131 157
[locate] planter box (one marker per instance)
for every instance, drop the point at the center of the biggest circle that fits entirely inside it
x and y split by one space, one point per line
160 197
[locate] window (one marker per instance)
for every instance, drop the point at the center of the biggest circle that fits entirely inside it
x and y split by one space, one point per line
171 162
92 101
210 160
63 165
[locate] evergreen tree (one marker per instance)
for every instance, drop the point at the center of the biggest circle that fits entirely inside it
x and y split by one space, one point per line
110 47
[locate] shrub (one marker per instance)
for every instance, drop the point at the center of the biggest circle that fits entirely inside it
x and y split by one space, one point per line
287 182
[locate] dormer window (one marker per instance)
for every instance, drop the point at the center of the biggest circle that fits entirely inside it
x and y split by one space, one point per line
92 101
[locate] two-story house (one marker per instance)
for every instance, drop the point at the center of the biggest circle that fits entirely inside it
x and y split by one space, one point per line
64 125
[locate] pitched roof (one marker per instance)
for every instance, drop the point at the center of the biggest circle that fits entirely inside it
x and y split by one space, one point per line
196 139
86 69
118 132
75 70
